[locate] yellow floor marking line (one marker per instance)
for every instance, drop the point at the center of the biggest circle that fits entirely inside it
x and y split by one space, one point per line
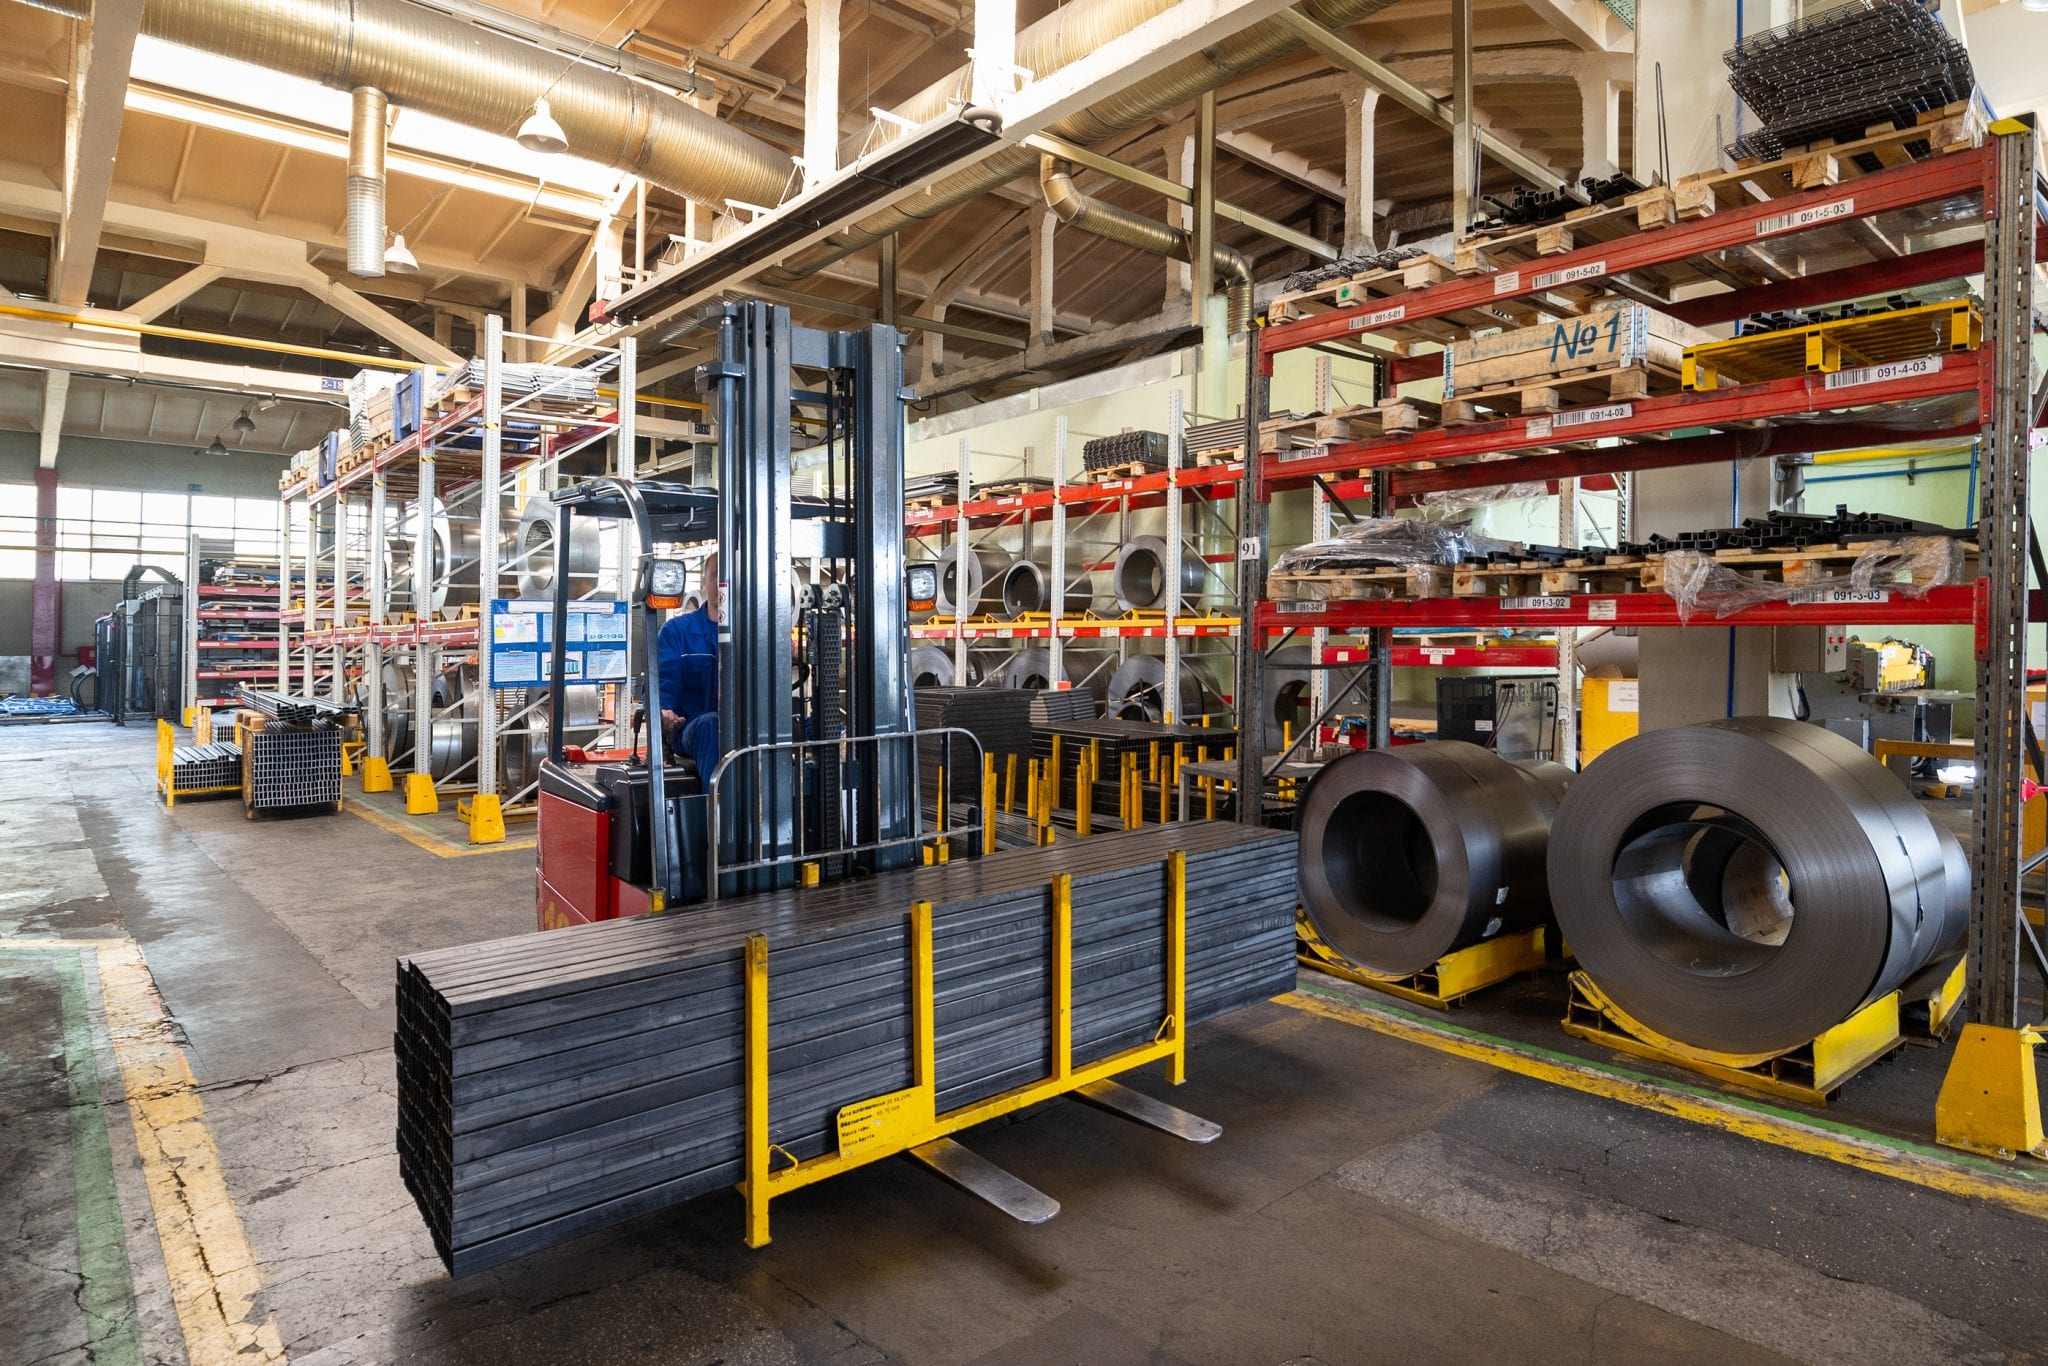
1922 1165
425 841
216 1282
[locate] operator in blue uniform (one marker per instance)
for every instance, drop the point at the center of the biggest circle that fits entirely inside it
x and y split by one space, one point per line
688 650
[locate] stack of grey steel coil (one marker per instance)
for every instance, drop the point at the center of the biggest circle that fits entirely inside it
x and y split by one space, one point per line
554 1084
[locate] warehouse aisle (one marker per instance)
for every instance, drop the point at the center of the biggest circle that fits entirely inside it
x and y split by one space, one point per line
1370 1200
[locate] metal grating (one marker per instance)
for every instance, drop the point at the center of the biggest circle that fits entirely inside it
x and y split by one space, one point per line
554 1084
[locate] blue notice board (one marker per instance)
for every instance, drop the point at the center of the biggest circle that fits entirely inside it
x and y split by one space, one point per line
522 642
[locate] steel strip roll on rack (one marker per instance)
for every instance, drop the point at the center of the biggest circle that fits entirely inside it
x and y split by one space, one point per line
971 580
539 556
932 667
1745 885
1408 854
1137 690
1139 577
1032 669
1025 588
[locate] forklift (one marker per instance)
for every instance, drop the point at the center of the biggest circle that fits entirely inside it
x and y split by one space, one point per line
819 775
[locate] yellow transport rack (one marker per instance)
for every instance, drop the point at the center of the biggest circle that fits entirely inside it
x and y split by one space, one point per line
1922 333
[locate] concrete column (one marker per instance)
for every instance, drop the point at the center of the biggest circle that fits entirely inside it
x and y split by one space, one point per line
1698 114
1600 122
821 90
1361 111
1464 150
1042 224
44 612
933 359
1180 167
516 350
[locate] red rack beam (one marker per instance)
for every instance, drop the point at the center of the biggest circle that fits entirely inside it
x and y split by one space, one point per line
1951 606
1896 188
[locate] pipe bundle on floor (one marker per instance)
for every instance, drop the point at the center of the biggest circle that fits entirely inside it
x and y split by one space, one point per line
558 1083
1410 853
1746 885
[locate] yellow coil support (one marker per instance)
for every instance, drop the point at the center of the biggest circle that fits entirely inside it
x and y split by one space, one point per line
1053 777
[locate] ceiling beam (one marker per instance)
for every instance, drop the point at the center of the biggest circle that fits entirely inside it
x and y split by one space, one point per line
1587 23
761 30
54 346
168 296
93 105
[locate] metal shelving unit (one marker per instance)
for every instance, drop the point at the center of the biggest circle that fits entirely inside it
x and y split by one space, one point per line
461 461
1950 216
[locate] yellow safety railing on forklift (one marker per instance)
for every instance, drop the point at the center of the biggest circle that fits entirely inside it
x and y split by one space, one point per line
899 1121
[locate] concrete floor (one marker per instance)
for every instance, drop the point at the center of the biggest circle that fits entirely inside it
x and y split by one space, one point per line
1371 1200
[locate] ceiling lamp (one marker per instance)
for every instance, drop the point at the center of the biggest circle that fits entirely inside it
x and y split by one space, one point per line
2035 6
540 132
243 423
398 258
216 448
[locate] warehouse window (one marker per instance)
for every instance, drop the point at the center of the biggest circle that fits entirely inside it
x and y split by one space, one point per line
103 533
17 531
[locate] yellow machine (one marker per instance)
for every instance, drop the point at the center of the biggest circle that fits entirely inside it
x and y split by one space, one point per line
1609 713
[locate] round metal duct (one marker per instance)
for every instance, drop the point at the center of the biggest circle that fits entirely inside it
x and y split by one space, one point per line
1410 853
968 580
1139 578
1032 668
1027 588
932 667
1744 885
534 549
1137 690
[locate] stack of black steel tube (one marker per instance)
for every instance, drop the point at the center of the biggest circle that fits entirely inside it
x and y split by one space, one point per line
1410 853
1746 885
554 1084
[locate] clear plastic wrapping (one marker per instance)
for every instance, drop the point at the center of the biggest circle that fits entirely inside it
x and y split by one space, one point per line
1383 543
1444 504
1909 565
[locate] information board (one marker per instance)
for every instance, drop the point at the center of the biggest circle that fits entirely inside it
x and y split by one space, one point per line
522 642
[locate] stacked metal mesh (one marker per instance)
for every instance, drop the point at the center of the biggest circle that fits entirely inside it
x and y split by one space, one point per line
1344 267
1835 73
563 383
554 1084
205 766
1050 706
1125 448
292 767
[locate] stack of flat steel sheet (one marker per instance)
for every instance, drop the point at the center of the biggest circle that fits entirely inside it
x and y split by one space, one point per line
998 717
1051 705
554 1084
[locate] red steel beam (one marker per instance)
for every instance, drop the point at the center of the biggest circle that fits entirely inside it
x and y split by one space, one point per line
1953 605
1850 282
1899 187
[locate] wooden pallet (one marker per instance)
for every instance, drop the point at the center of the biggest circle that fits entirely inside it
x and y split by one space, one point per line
1646 209
1830 162
1014 489
1130 469
928 503
1561 392
1417 272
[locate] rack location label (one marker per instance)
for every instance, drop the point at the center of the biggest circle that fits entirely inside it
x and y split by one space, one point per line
1591 270
1543 604
1807 217
1379 318
1890 370
1812 596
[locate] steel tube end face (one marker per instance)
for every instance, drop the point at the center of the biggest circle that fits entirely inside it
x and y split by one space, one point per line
1746 885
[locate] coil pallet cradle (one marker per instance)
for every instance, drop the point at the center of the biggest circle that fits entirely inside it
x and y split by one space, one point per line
1970 205
1446 982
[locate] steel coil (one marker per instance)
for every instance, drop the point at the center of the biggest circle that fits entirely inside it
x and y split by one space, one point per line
1139 577
526 741
1024 588
1137 690
968 584
932 667
537 558
1410 853
1032 668
1287 695
1745 885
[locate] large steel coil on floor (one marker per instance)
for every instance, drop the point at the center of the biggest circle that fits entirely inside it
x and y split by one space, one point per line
538 557
968 583
1137 690
1745 885
525 750
932 667
1412 852
1139 578
1032 668
1027 588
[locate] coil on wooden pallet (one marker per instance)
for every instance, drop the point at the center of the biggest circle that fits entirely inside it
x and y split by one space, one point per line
1745 885
1408 854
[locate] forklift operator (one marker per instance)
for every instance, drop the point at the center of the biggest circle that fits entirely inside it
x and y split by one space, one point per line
688 648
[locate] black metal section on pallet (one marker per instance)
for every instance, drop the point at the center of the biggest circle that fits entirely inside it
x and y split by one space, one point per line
1999 933
554 1084
1253 517
754 703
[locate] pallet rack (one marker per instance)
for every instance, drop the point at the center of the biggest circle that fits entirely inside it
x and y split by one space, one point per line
1948 216
465 452
234 633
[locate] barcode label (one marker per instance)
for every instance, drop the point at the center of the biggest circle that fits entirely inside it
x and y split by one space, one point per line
1507 282
1586 417
1890 370
1807 217
1591 270
1545 604
1299 607
1379 317
1847 595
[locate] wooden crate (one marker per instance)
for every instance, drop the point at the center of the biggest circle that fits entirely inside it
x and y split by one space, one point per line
1622 337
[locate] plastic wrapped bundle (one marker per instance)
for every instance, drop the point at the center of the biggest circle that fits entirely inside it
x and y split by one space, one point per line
1381 541
1909 565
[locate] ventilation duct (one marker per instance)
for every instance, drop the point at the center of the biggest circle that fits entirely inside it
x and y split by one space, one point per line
366 131
455 70
1070 206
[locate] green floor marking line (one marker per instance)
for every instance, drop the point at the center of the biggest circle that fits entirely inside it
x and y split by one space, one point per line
1960 1160
107 1293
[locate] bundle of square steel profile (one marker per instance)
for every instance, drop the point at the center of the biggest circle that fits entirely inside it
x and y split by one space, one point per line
558 1083
1000 718
206 768
289 767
